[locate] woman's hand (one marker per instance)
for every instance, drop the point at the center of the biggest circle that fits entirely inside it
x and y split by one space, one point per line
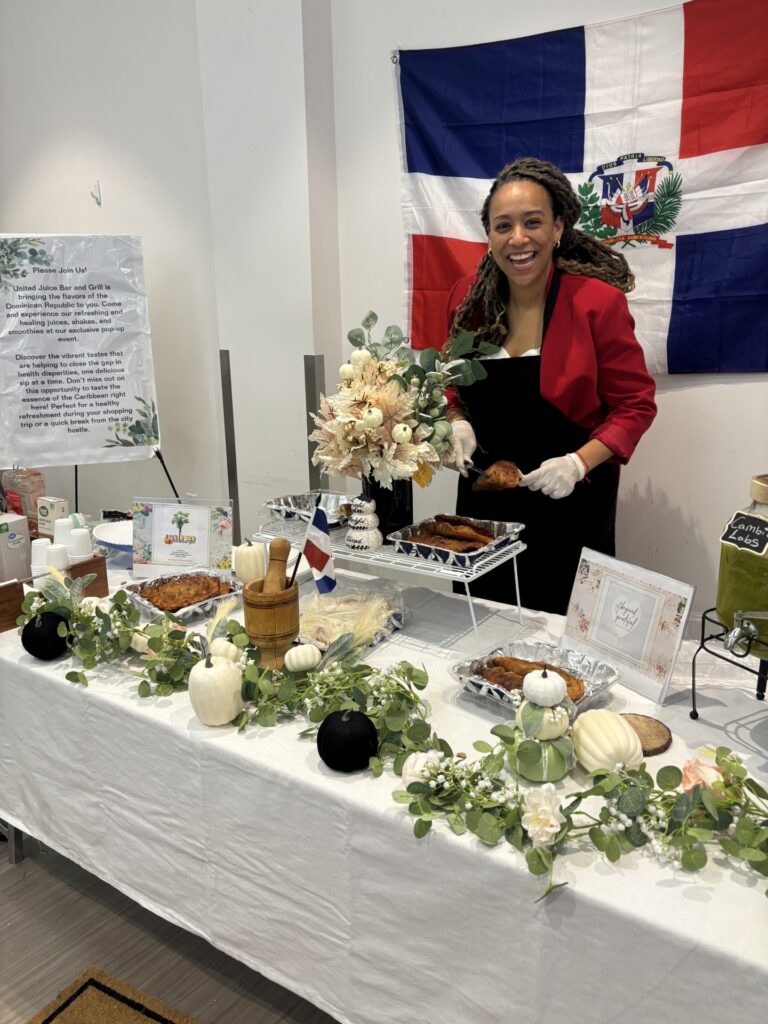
464 445
556 477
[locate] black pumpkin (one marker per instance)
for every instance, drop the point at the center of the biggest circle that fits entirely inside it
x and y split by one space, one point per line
40 636
346 740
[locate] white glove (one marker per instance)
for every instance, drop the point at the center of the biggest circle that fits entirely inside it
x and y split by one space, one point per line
464 445
556 477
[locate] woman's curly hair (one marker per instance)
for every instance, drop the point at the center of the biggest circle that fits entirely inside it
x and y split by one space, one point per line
577 253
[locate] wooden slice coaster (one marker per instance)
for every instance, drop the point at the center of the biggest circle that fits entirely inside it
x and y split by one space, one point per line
654 736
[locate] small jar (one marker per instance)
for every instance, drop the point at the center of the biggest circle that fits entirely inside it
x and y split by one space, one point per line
742 584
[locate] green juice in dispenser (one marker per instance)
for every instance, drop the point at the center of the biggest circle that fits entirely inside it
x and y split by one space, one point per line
742 585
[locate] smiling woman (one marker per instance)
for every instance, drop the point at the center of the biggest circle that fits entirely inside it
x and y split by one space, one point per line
574 408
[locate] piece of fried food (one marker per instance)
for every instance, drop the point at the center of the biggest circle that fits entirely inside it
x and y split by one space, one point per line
518 669
501 677
171 595
501 476
435 540
461 529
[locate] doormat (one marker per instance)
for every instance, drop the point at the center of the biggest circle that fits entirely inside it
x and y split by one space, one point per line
99 998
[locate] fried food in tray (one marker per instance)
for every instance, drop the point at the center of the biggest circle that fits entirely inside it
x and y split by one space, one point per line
508 673
452 532
177 592
460 529
501 476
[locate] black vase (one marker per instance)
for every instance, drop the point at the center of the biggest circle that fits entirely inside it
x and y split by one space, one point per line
393 507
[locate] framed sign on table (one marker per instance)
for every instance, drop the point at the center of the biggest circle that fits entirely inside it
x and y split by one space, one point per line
631 616
170 535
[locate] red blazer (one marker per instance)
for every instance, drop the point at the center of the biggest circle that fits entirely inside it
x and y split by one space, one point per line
592 367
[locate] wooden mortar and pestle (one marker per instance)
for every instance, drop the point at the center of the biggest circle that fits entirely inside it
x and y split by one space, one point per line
271 608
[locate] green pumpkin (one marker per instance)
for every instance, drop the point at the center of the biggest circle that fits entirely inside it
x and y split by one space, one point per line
554 763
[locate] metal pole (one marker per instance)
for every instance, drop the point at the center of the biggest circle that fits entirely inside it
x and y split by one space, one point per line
229 442
314 386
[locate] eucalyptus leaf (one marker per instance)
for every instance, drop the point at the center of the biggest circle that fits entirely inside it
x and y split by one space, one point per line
531 718
401 796
356 337
539 860
694 858
370 320
421 827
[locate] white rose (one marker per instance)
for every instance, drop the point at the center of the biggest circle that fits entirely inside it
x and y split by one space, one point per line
414 763
542 817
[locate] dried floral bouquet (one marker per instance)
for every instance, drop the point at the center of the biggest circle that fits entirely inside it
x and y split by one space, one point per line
387 420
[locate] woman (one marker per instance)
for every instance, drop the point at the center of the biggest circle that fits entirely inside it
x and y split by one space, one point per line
568 395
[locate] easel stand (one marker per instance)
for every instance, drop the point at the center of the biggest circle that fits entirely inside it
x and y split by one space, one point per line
158 455
713 633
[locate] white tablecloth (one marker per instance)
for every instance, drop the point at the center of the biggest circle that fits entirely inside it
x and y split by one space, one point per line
315 879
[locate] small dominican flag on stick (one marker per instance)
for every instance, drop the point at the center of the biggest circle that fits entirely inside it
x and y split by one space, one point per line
317 551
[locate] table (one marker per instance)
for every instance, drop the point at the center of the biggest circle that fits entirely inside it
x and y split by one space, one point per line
315 879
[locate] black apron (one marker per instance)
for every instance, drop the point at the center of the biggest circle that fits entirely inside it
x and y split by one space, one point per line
512 421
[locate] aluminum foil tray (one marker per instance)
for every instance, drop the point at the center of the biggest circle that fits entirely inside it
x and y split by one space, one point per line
503 534
597 675
340 609
337 507
395 621
201 609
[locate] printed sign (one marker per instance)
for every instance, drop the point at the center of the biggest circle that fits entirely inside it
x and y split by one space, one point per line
629 616
748 532
169 536
76 375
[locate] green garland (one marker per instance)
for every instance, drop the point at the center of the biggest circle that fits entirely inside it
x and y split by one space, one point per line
622 811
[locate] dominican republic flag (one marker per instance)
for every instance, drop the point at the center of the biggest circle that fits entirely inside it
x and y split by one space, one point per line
317 551
661 124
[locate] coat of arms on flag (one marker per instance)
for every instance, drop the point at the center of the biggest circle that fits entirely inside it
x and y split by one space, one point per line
660 122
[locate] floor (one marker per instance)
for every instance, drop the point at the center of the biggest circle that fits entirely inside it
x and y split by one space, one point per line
56 919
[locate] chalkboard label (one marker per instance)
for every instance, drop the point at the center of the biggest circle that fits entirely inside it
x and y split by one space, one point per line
748 532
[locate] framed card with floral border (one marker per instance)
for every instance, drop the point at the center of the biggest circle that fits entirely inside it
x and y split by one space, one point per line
630 616
170 535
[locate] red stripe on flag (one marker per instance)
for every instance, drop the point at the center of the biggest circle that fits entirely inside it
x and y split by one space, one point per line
725 76
315 556
438 263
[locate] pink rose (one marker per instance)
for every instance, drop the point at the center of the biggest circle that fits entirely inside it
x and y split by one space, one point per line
698 773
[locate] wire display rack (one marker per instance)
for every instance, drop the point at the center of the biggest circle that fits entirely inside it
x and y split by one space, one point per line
387 557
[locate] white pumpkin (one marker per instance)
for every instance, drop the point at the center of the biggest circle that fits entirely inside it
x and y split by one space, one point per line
250 561
602 739
215 690
401 433
223 648
373 417
555 723
303 658
346 371
360 357
544 688
139 643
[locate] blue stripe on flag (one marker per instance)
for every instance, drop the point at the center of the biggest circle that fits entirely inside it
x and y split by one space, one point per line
469 110
325 584
717 323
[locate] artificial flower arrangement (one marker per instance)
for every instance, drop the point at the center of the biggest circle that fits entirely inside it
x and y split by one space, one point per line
388 418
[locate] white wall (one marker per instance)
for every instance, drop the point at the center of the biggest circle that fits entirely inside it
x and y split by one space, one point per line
111 91
711 435
252 73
